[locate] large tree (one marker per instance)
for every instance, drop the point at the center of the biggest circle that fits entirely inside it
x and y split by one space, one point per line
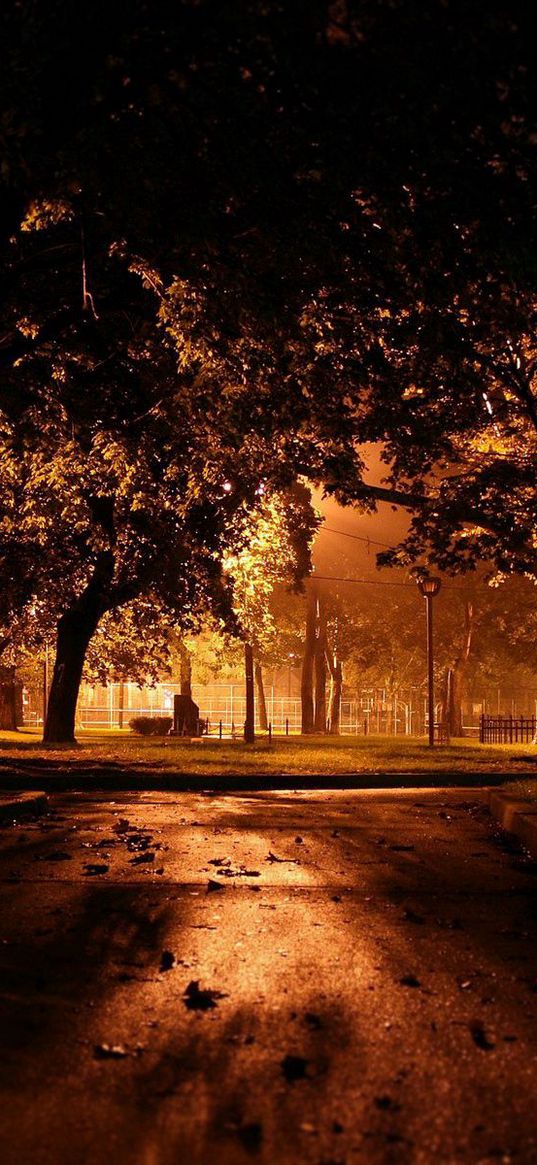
242 239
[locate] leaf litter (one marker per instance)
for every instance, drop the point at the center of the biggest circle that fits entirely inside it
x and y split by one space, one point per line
198 998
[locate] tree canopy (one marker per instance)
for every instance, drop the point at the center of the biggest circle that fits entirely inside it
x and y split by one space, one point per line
239 241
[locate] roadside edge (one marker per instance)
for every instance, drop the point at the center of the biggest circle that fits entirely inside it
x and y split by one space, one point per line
516 816
19 804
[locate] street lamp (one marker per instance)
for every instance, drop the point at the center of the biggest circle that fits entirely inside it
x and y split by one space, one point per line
429 587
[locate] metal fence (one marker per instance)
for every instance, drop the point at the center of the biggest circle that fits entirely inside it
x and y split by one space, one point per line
371 710
507 729
112 707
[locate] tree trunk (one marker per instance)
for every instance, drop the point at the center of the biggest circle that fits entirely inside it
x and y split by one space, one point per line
185 666
306 683
121 707
8 699
320 670
75 630
261 701
336 685
454 690
249 723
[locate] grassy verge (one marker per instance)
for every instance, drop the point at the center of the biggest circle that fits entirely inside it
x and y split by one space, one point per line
294 755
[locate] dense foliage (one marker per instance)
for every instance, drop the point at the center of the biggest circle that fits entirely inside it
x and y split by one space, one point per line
239 240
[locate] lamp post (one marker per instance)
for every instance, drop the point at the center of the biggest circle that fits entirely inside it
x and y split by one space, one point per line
429 587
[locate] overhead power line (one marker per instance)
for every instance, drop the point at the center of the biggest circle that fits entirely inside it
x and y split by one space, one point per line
373 582
357 538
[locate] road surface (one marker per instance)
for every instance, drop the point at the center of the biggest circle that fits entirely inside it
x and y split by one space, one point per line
283 978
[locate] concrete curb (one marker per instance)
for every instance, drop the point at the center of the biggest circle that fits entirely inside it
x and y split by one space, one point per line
18 804
516 816
106 781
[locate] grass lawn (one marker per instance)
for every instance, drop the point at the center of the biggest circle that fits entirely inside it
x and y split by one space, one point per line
297 755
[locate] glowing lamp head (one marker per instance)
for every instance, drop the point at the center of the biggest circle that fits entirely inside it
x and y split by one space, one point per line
429 587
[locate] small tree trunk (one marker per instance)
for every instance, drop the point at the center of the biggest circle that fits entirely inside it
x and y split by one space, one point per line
336 686
249 723
320 671
306 683
452 704
121 707
261 701
8 699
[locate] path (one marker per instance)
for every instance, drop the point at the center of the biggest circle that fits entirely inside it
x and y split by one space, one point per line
375 955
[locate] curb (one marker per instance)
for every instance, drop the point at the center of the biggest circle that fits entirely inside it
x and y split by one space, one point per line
17 804
106 781
516 816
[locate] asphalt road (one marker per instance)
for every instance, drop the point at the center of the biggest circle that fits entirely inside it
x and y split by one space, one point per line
277 978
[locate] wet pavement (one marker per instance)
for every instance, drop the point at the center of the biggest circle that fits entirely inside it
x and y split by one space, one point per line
317 978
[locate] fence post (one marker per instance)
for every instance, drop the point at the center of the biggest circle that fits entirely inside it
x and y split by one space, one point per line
270 731
220 730
287 726
482 729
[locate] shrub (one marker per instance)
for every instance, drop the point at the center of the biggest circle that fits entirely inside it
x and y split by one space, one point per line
151 725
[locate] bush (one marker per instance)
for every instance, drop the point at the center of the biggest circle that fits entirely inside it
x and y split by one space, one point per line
151 725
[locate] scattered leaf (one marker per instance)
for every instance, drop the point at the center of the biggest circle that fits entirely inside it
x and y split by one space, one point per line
480 1037
110 1052
409 981
251 1137
197 998
294 1068
412 916
57 855
313 1020
167 961
386 1104
94 868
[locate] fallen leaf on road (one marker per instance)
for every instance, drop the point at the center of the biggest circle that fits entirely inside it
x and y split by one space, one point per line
294 1068
251 1137
57 855
409 981
167 960
411 916
213 886
480 1037
386 1104
299 840
287 861
197 998
110 1052
219 861
141 858
402 849
93 868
